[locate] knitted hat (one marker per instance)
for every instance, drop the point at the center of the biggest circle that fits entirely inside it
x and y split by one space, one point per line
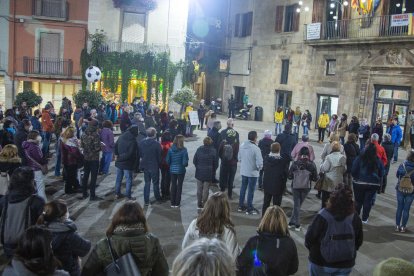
394 267
267 133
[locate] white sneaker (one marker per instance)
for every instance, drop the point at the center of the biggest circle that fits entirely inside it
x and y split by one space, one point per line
298 228
365 221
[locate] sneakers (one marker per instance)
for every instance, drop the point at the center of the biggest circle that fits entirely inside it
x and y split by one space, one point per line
291 225
402 229
241 209
132 198
252 212
365 221
397 228
298 228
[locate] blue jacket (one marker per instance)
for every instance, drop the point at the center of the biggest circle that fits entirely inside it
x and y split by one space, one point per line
36 123
409 166
361 175
396 134
177 159
150 153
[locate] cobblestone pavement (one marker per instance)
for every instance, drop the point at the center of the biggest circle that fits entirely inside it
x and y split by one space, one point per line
380 240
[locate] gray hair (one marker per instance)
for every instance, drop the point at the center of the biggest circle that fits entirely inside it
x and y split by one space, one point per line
204 257
151 132
217 124
374 137
386 137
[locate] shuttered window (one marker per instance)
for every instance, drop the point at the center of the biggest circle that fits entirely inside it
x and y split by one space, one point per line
318 11
279 18
237 25
49 45
133 27
243 24
285 71
287 19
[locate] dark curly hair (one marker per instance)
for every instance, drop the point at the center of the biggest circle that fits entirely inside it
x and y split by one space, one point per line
341 203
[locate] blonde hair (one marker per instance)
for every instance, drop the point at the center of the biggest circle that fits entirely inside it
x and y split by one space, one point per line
179 141
9 151
207 141
274 221
335 146
68 133
334 137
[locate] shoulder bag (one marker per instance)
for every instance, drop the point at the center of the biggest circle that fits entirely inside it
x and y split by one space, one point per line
319 182
43 168
122 266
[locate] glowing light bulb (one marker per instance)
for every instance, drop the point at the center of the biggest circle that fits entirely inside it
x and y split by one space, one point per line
298 10
331 12
335 17
363 1
300 3
306 9
332 5
346 3
398 5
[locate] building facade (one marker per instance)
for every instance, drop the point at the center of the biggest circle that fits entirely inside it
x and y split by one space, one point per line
324 55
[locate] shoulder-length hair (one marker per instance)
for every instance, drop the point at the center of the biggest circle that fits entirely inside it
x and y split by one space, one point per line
54 210
179 141
68 133
130 213
341 202
274 222
215 215
9 151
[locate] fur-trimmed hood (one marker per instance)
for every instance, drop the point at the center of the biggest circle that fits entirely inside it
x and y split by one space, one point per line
11 160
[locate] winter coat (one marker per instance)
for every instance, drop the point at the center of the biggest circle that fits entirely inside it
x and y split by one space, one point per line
228 237
409 166
396 134
150 153
6 137
177 159
201 111
351 152
126 151
19 138
307 165
91 144
342 127
165 147
150 122
231 136
287 142
70 151
107 137
378 129
214 134
125 121
279 117
145 248
17 268
264 146
77 115
47 124
36 123
250 158
389 151
327 150
9 165
323 120
298 147
275 174
33 154
363 176
205 162
381 153
353 127
67 245
364 131
278 253
317 230
334 168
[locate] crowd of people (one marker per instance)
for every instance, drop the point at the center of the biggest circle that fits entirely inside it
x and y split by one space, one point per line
39 237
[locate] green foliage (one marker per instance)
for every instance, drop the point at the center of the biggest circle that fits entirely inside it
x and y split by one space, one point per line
184 95
93 98
28 96
85 62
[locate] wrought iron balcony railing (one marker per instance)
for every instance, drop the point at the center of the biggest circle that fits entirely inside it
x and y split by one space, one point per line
48 66
116 46
51 9
388 26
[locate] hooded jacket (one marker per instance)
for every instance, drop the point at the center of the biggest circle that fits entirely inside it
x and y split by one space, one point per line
251 160
275 174
323 120
17 268
33 154
91 144
205 162
67 245
177 159
107 137
287 142
396 134
126 150
150 152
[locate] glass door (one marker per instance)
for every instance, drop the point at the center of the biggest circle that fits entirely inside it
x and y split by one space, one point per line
401 111
283 100
382 113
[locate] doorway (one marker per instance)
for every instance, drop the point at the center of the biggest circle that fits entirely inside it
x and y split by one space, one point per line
326 103
283 100
238 96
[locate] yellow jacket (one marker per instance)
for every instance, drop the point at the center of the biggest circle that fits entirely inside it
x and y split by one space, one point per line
279 117
323 120
188 109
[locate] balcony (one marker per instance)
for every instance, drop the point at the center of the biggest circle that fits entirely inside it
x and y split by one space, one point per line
380 29
50 9
116 46
48 67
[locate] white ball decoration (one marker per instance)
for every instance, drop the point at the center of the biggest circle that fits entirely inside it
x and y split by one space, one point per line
93 74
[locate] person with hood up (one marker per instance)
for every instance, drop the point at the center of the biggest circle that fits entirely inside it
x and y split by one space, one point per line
300 145
323 122
205 162
67 245
363 134
23 129
71 156
396 137
264 146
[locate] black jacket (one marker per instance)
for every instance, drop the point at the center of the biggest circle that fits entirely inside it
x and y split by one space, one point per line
308 165
351 152
216 137
205 162
287 142
67 245
126 151
264 146
316 232
150 152
279 253
275 175
19 138
389 151
353 128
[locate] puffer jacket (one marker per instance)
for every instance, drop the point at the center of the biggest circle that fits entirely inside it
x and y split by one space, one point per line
205 162
67 245
33 154
126 150
17 268
396 134
145 248
334 168
177 159
363 176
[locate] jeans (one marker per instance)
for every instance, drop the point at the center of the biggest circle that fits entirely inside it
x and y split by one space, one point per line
71 182
176 188
58 160
106 160
305 130
202 192
299 196
227 174
316 270
277 200
342 139
128 181
364 195
165 182
321 134
247 182
404 202
46 142
278 128
260 181
154 177
325 197
40 184
90 167
362 143
231 113
295 129
396 146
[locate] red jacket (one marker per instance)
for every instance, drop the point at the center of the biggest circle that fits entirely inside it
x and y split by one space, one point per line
47 124
165 146
381 153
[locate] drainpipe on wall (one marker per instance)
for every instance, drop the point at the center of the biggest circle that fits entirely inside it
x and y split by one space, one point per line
14 53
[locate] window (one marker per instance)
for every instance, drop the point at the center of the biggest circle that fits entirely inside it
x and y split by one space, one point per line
287 19
243 24
285 71
133 27
330 67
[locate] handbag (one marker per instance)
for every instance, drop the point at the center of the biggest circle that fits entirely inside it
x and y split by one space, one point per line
319 182
43 168
4 182
122 266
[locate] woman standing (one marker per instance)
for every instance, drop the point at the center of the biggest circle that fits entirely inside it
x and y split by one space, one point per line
129 233
205 162
67 245
404 198
166 143
278 120
367 171
353 125
323 122
177 160
201 113
363 134
351 151
9 161
272 249
125 120
214 222
107 138
334 168
71 159
378 129
36 160
342 128
333 125
306 122
389 151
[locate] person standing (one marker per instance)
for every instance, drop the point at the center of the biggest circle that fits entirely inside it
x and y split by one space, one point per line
412 132
287 142
342 128
264 146
297 117
47 129
205 162
251 162
150 153
107 139
9 161
389 151
35 120
306 122
125 120
231 106
166 143
201 112
351 152
404 198
91 145
323 122
380 150
23 129
189 127
396 137
378 129
215 135
300 145
354 126
363 134
125 151
278 120
71 156
177 160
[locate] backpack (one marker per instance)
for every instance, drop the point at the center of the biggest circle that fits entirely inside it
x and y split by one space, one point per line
227 153
301 179
338 244
406 185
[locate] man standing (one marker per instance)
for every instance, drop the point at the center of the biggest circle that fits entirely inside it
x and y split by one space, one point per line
396 137
231 106
380 150
287 142
251 161
264 146
228 153
91 145
126 158
47 129
214 134
150 153
23 129
300 145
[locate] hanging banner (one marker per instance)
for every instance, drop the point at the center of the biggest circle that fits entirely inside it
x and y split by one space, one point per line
398 20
